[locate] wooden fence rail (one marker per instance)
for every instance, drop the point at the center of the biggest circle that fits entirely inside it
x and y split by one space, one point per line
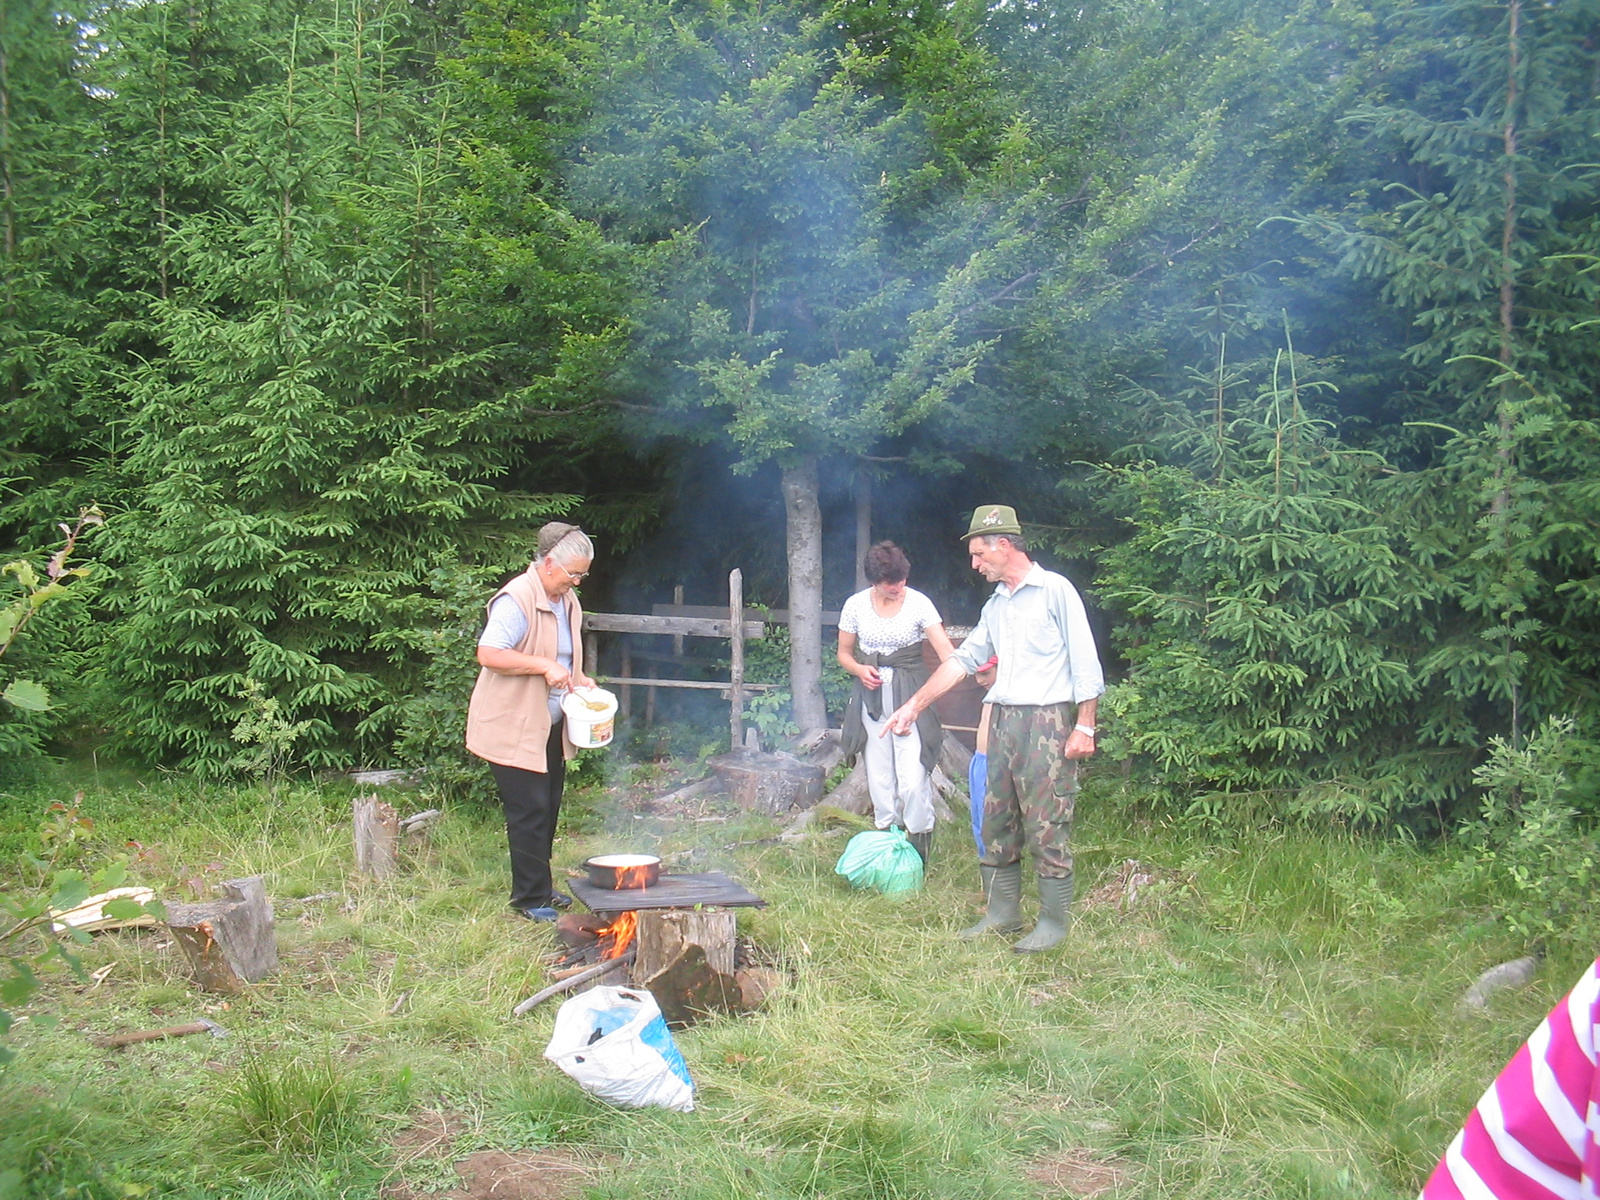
701 621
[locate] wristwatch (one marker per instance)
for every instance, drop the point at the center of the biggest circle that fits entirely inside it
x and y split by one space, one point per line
1086 730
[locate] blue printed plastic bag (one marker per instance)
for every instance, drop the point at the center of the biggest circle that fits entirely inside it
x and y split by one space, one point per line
616 1044
883 859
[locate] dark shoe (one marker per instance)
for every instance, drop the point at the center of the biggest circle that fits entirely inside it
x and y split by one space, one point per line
559 899
923 842
536 914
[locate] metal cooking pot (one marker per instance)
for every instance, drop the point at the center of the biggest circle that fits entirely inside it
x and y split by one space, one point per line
619 871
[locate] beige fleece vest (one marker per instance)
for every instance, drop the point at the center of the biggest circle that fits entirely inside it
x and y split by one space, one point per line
508 721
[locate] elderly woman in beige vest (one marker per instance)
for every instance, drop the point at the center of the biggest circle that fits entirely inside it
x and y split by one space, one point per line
531 653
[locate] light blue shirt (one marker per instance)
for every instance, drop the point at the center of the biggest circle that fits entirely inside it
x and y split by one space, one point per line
1041 634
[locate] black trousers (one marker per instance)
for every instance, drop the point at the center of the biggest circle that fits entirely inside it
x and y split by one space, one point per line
532 802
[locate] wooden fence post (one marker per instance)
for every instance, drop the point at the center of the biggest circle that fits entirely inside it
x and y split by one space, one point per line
736 656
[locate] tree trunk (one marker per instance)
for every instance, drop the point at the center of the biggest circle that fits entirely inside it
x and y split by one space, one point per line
863 524
804 521
1508 294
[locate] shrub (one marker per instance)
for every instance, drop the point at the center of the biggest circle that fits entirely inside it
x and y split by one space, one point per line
1529 842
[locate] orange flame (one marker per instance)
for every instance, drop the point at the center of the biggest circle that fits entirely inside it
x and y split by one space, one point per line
633 877
616 937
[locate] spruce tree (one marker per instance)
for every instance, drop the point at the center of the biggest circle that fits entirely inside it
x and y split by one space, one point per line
319 436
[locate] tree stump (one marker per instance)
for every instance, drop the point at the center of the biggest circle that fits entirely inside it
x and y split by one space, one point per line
230 942
665 932
376 827
685 960
769 783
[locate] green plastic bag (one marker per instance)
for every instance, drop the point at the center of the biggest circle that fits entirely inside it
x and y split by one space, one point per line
883 859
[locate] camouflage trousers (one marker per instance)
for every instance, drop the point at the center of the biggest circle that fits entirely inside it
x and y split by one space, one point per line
1032 788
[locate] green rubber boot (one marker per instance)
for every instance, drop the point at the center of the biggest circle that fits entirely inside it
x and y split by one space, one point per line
923 843
1002 886
1055 897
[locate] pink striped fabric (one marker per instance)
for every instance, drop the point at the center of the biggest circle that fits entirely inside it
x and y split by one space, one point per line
1532 1136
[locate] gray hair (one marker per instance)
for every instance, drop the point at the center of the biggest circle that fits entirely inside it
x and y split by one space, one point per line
1018 542
574 545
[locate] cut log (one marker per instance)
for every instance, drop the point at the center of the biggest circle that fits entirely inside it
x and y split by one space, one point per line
1519 972
685 960
954 758
418 824
769 783
382 778
664 933
688 989
948 795
700 787
376 827
821 750
755 985
574 982
852 795
230 943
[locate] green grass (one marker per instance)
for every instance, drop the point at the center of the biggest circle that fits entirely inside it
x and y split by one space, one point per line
1274 1019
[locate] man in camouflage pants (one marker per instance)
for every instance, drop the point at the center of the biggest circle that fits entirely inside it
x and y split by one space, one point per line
1044 698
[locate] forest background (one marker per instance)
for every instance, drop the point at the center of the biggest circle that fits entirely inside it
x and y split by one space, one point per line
1277 321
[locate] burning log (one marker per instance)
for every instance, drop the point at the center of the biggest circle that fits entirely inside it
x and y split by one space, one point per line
230 943
616 939
581 931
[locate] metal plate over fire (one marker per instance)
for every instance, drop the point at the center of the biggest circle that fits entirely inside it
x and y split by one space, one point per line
670 891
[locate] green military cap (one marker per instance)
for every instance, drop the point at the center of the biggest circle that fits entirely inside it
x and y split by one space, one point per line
992 518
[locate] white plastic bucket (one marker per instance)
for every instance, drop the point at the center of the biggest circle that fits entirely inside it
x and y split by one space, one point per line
591 716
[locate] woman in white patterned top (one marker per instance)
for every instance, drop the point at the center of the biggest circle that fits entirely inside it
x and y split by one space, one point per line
881 631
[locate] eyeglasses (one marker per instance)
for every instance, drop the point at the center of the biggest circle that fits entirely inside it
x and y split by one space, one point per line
576 579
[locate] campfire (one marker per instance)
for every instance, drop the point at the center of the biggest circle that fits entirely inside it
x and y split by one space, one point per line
678 939
616 937
590 938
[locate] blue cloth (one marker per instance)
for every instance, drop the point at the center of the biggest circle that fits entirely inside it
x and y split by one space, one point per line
977 788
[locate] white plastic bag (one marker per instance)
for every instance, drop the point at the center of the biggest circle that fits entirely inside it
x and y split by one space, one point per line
616 1044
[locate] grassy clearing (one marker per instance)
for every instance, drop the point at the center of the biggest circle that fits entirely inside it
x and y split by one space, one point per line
1274 1017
